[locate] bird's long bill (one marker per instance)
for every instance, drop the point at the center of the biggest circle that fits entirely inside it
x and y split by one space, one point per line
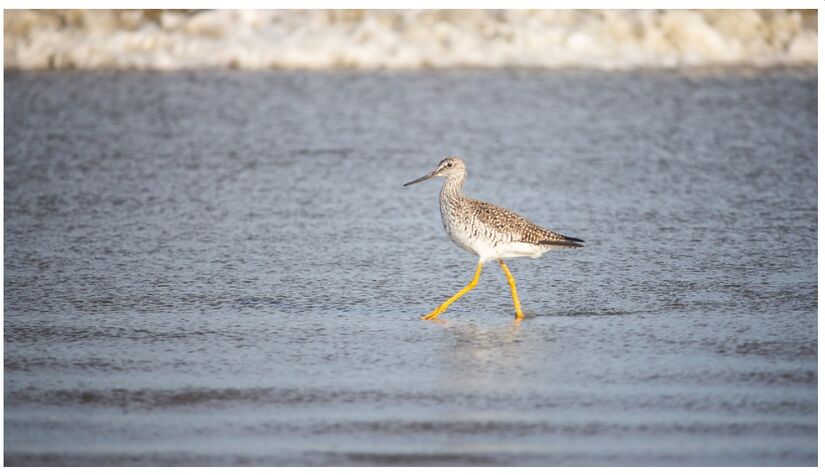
425 177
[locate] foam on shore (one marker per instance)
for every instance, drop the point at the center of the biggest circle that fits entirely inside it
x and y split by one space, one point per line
407 39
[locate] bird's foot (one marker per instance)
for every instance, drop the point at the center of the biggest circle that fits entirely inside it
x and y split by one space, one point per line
519 315
433 315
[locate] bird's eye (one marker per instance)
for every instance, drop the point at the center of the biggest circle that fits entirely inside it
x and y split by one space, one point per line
450 164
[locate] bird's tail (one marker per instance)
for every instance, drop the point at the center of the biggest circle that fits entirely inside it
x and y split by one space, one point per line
564 242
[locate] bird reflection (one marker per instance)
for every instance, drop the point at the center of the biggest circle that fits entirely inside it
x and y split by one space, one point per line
485 357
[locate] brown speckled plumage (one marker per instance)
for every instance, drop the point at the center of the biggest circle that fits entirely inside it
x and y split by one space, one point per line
519 229
487 230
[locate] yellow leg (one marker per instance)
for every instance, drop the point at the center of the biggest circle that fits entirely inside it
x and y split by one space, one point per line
435 313
512 282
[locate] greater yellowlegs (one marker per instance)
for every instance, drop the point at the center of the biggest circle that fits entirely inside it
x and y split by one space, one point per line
486 230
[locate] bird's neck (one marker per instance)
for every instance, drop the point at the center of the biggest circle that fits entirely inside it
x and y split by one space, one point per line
452 187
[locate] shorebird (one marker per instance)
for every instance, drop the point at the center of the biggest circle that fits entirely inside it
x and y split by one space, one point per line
487 230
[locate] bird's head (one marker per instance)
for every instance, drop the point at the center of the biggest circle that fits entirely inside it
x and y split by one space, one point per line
449 167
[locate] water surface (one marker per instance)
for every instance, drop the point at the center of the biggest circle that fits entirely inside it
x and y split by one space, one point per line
223 269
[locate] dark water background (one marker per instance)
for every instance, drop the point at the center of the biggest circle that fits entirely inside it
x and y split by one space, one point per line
223 268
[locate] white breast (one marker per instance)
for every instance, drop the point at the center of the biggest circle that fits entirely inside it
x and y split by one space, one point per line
476 238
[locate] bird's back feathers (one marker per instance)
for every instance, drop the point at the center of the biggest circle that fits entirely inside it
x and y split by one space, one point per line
508 223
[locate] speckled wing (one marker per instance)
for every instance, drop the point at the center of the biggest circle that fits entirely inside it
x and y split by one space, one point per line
508 224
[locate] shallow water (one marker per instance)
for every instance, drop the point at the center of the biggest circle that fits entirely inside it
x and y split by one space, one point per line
223 268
